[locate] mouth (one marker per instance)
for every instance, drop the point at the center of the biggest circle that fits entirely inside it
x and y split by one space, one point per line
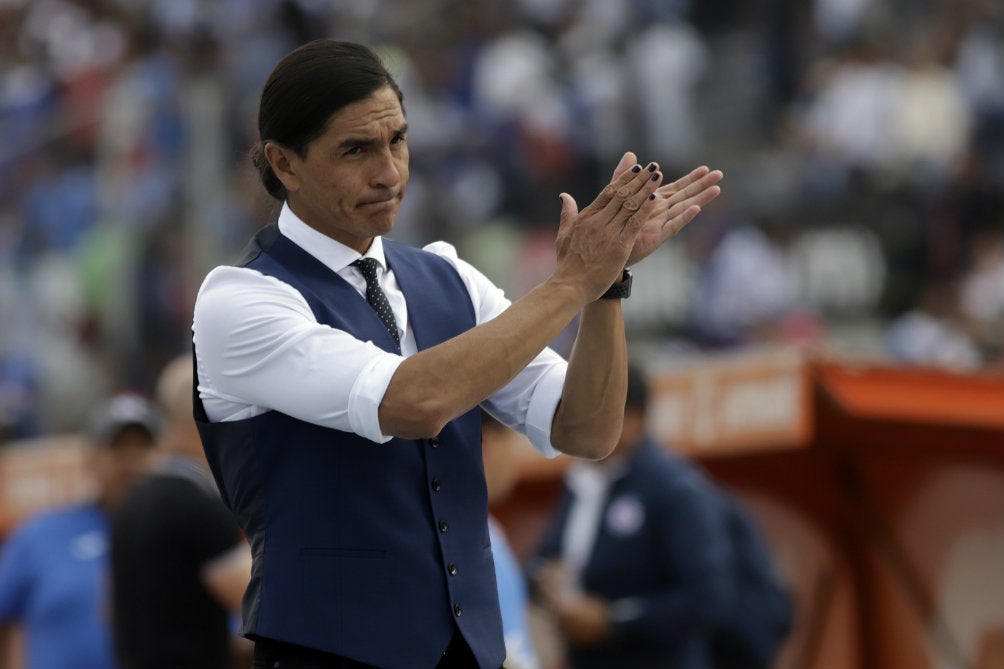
378 202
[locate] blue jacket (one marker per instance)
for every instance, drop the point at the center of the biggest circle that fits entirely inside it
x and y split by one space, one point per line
660 558
377 552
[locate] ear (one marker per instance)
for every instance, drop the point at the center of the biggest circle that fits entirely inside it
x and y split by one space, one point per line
281 160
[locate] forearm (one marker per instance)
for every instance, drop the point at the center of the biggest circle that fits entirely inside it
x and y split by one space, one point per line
433 387
698 604
588 420
438 384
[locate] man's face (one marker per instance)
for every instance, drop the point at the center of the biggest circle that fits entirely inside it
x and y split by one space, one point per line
119 463
350 182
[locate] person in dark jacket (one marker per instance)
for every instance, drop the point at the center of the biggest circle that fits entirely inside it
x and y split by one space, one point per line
635 568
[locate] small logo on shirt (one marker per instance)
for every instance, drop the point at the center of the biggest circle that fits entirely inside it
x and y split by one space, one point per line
89 546
625 516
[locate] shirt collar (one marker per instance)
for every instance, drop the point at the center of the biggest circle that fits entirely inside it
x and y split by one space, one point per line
333 254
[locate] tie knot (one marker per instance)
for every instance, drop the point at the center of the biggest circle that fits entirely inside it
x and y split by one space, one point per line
367 267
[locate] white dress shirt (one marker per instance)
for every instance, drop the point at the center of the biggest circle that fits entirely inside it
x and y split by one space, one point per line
590 484
260 348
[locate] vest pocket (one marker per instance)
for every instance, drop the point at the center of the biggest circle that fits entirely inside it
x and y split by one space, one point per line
361 553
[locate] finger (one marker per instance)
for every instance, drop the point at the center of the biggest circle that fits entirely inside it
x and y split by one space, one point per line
651 211
630 197
697 186
628 203
628 160
682 213
700 198
679 214
636 221
674 224
684 181
612 197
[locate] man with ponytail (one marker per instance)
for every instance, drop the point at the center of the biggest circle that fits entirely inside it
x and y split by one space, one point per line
339 376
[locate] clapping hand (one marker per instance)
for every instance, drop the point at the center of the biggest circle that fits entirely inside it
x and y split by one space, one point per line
676 204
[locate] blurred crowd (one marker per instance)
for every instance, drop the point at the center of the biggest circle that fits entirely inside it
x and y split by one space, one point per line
862 143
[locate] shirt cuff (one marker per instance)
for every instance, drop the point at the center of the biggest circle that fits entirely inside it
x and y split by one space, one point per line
540 411
366 395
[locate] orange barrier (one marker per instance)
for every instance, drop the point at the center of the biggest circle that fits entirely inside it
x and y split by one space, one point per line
880 488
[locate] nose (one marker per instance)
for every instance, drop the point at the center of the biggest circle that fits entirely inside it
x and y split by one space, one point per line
386 170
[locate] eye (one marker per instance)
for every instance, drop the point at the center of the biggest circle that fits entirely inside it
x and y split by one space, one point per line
398 139
354 151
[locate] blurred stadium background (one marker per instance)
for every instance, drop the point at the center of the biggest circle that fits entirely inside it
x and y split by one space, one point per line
854 265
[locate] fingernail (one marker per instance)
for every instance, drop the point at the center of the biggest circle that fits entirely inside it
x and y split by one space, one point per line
636 169
656 176
651 167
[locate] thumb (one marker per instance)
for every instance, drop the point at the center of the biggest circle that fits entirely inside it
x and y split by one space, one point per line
569 209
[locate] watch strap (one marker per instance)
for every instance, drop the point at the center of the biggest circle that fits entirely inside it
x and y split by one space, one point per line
621 289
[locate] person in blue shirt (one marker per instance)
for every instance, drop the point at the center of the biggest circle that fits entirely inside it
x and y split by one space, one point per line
53 567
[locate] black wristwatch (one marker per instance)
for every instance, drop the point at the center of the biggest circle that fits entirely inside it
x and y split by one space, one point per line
621 289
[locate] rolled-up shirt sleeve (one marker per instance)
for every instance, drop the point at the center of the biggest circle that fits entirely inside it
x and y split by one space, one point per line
367 394
259 347
541 407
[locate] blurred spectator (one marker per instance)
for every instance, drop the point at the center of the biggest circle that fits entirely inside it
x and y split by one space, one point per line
180 564
53 568
979 62
117 119
674 55
635 566
930 121
61 204
837 21
18 398
500 452
850 118
982 293
933 334
748 284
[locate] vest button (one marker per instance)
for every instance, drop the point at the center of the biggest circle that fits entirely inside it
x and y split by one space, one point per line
434 442
457 610
443 526
436 485
452 568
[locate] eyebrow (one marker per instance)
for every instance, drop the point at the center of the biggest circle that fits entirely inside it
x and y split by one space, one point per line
364 142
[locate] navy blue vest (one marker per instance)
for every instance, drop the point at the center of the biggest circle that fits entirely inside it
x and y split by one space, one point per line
377 552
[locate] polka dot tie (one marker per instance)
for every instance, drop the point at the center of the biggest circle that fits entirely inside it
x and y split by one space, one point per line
375 295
